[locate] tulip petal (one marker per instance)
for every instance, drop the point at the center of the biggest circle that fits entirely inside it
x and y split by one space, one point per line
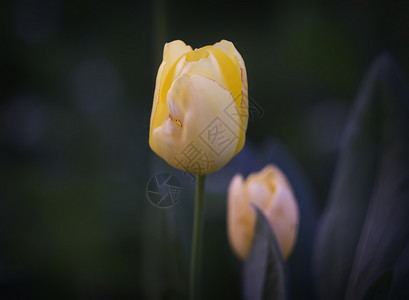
241 218
258 191
156 95
197 136
173 113
230 72
282 210
172 52
232 76
270 191
229 49
207 67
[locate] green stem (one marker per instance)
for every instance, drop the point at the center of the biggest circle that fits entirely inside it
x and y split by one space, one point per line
197 235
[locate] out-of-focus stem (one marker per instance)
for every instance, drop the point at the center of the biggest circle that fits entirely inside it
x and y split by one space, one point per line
197 236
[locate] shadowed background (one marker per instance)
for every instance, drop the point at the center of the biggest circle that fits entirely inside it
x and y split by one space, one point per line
76 89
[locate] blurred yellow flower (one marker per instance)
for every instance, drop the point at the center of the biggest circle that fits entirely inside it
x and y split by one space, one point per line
200 107
271 192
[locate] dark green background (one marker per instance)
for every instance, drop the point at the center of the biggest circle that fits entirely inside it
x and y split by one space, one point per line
76 89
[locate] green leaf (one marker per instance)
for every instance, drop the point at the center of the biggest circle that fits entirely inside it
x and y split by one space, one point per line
364 227
264 276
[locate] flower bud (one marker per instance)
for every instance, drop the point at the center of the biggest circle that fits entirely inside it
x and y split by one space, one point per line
200 107
271 192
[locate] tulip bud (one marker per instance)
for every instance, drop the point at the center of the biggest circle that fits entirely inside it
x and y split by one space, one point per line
271 192
200 107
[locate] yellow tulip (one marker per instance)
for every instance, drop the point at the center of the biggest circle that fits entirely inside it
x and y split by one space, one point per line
200 107
271 192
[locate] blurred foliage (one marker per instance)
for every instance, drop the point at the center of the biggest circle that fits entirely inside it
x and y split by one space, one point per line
77 80
364 229
264 276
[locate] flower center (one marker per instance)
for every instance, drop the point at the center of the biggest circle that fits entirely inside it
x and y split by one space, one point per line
197 54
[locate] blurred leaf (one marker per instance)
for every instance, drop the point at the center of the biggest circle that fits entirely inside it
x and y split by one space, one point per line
385 231
342 220
363 229
264 276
